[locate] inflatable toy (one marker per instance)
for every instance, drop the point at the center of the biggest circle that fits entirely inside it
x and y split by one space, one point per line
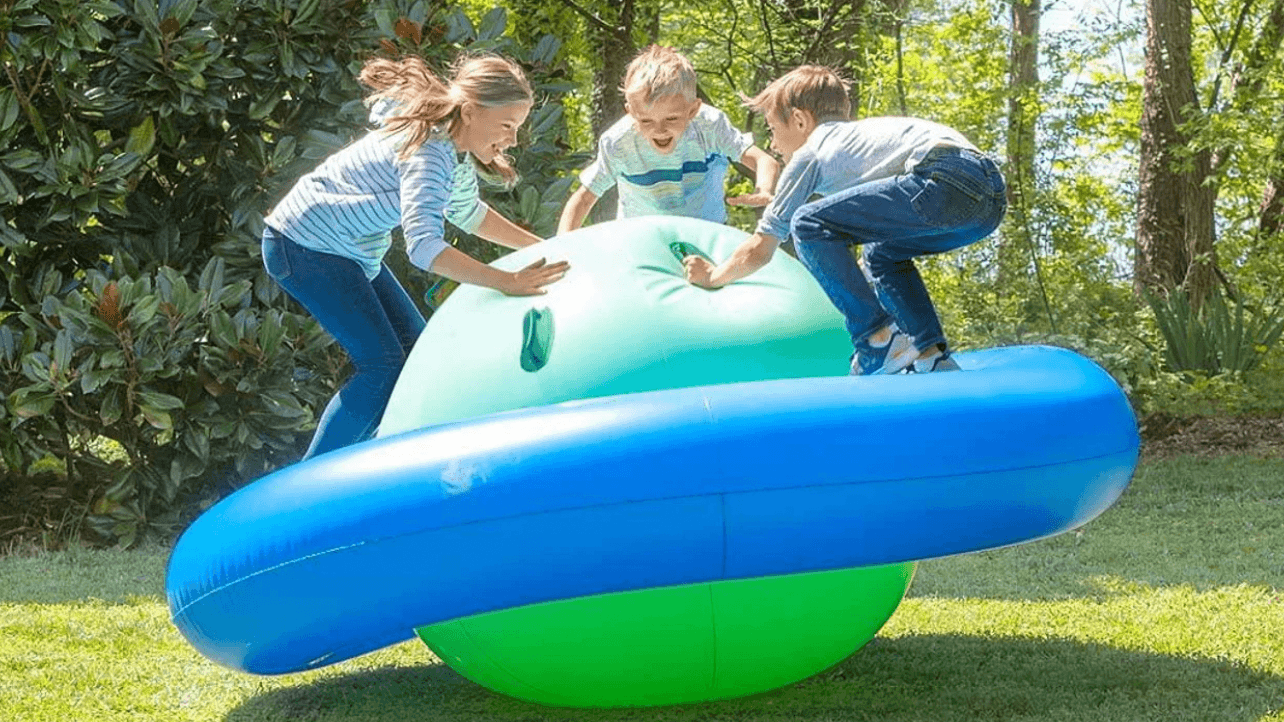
632 491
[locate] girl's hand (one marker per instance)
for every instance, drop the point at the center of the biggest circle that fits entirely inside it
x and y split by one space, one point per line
530 281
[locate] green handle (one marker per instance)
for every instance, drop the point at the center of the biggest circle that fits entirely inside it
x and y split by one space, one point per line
682 249
537 338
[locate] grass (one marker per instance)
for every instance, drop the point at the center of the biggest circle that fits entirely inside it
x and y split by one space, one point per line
1168 607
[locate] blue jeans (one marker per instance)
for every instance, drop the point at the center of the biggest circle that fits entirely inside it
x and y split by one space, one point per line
374 321
954 197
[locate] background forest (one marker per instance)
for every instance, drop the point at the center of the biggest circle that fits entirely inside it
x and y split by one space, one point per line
149 366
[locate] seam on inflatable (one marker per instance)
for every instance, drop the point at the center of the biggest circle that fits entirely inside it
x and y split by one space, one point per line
463 626
179 612
722 507
713 629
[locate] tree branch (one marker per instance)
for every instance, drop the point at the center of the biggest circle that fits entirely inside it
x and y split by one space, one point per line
771 43
1227 51
826 25
1262 52
592 18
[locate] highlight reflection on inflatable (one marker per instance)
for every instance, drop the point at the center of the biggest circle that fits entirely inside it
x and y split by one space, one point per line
632 491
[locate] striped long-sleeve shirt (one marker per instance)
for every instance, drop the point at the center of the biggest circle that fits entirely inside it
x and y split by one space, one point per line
349 204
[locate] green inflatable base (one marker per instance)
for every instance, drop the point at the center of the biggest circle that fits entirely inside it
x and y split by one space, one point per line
673 645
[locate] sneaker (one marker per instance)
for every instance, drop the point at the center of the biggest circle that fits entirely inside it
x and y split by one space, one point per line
940 362
890 358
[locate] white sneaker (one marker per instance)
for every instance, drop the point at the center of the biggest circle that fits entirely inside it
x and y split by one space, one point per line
890 358
940 361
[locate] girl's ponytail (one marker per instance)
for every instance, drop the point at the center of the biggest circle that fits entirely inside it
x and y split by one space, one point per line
424 102
427 104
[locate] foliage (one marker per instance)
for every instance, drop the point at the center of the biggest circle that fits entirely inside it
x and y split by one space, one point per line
1188 394
1213 339
141 139
141 143
191 383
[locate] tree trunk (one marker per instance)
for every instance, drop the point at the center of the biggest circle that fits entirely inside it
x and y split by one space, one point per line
616 49
1270 219
1023 115
1174 243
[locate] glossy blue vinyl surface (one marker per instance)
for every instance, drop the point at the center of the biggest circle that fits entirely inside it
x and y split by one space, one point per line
350 551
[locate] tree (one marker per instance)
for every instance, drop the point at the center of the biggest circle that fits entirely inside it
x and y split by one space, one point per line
1174 241
1247 87
1204 140
1271 216
1023 117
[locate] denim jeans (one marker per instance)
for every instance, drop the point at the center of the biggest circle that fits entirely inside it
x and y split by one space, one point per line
953 197
376 322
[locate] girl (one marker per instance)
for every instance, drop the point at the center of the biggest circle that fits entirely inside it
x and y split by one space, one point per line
325 241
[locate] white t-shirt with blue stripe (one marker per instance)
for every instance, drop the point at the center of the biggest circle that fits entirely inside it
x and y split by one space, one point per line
689 181
349 204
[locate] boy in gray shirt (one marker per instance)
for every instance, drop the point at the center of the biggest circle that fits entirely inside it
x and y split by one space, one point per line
899 187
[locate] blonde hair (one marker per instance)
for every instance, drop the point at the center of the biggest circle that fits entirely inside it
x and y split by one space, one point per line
813 88
658 72
426 103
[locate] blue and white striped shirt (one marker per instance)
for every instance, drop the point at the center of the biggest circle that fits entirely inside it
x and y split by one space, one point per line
349 204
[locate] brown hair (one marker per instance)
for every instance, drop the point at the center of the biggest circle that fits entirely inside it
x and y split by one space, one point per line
426 103
812 88
658 72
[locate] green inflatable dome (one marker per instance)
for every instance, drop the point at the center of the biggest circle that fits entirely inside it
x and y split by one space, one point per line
624 320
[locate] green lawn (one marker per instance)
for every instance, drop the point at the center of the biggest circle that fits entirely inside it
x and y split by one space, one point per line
1168 607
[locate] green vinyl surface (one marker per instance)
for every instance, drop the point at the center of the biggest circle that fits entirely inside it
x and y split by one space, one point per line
671 645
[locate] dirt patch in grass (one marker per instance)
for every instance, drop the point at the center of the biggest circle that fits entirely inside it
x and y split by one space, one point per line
36 510
1166 436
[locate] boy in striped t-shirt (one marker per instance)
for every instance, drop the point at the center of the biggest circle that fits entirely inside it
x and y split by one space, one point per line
325 241
669 155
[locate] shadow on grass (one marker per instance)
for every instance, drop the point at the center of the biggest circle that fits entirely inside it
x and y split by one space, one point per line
936 678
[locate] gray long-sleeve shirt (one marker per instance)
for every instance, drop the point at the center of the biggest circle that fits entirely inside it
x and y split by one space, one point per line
839 155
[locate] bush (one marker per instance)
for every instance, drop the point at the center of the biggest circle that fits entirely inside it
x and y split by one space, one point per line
1259 392
141 144
1214 338
1129 344
190 382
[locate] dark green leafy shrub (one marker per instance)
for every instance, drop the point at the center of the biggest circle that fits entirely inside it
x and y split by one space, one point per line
141 144
189 381
1257 392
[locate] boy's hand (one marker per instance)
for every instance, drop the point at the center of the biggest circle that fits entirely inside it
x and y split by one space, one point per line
699 271
757 199
750 256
